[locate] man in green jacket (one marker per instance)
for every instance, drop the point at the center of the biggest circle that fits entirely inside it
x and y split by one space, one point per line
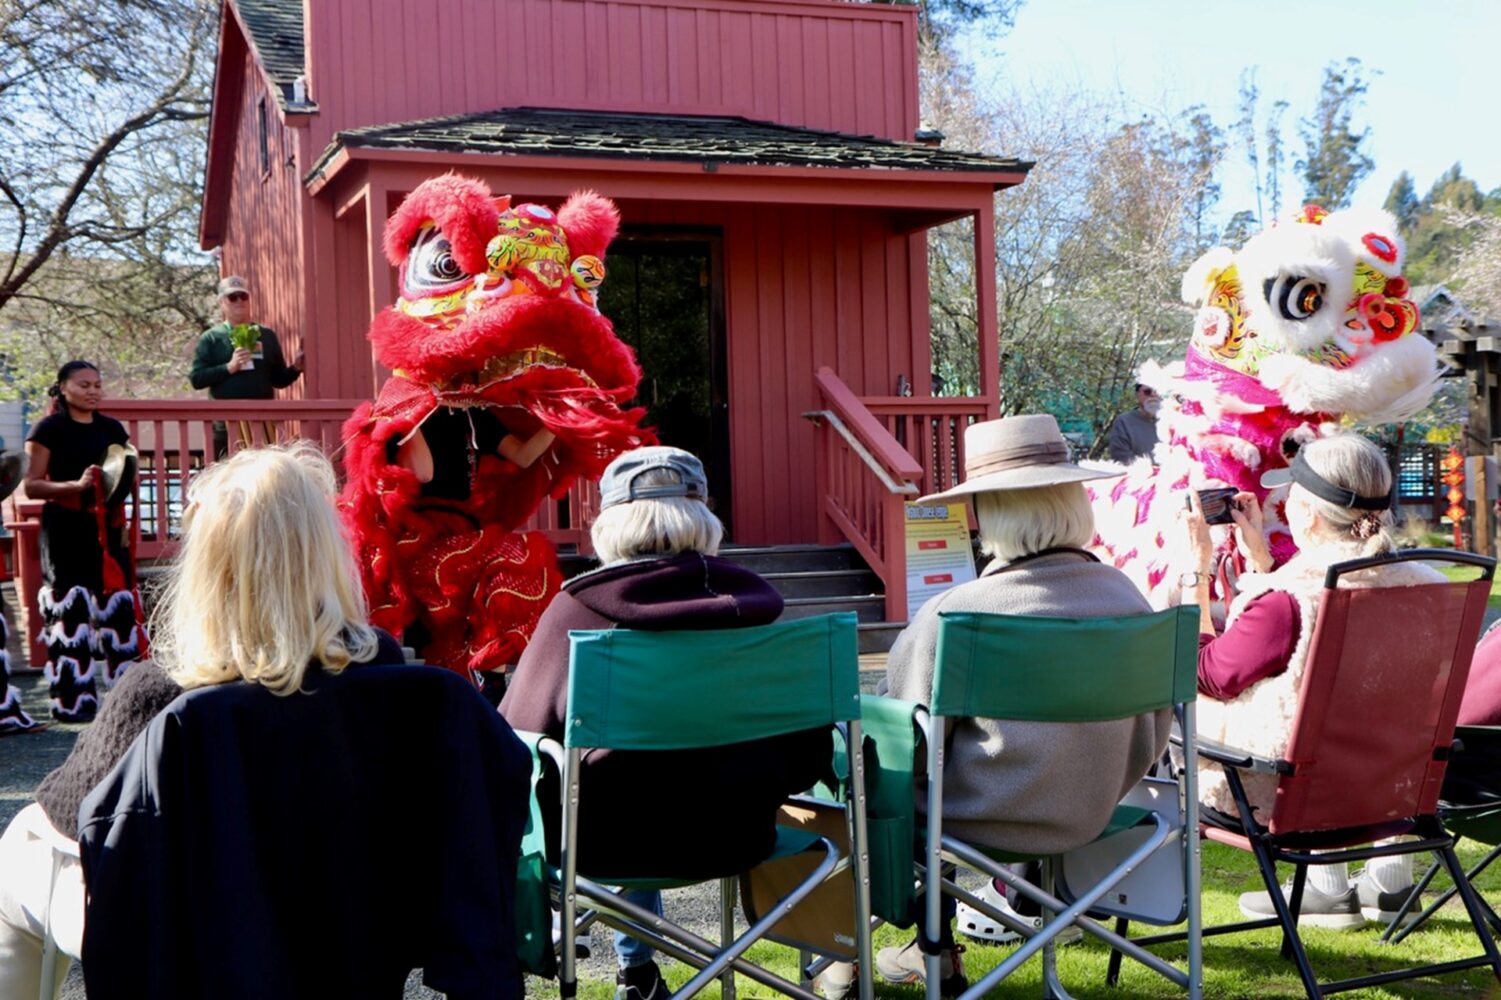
230 372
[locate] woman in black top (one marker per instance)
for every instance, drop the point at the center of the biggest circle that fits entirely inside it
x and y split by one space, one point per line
88 609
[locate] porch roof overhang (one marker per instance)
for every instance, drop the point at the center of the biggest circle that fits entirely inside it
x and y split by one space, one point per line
655 155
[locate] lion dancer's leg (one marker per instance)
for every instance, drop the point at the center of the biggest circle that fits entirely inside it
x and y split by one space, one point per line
13 718
517 584
481 593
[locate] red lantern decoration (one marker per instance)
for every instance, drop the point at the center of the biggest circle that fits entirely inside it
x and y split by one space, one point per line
1452 475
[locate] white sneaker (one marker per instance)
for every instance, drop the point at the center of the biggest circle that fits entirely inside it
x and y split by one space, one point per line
836 980
973 924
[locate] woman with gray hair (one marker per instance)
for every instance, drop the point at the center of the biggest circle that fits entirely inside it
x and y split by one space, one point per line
1023 786
658 542
1338 507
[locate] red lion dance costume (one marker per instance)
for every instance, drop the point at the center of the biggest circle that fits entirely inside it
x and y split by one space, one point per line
507 386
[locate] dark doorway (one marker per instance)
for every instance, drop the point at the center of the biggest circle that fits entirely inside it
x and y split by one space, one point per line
664 293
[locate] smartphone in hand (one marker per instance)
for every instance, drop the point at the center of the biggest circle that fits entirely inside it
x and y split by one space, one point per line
1217 504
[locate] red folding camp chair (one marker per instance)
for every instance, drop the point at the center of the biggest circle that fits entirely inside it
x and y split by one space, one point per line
1376 712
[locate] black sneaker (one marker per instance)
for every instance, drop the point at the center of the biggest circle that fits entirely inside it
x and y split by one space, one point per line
1378 905
1340 913
641 982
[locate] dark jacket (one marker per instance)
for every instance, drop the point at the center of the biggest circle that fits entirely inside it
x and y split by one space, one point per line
133 702
724 798
211 367
320 844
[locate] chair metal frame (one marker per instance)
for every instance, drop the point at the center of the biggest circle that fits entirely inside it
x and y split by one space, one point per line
724 959
1302 848
943 852
1461 820
60 855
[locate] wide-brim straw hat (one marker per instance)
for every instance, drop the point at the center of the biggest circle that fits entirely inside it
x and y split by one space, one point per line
1016 453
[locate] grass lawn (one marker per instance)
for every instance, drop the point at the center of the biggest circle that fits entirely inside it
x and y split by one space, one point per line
1470 573
1238 965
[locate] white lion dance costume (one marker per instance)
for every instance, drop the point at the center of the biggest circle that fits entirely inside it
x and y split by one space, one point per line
1306 327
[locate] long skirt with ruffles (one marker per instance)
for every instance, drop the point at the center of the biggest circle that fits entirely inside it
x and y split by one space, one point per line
92 636
13 718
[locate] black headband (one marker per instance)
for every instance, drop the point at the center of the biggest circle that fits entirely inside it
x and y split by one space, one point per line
1304 476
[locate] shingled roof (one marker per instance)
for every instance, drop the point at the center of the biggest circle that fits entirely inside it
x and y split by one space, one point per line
276 33
684 138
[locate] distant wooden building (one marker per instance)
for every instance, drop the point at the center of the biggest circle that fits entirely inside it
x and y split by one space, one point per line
762 152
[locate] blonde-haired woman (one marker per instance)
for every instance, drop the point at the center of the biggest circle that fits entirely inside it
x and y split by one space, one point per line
265 585
658 541
1338 507
1022 786
262 590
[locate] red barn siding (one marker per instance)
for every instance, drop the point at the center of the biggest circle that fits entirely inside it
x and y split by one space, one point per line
845 67
804 287
261 238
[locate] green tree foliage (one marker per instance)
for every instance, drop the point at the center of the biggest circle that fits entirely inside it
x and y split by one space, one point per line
1402 201
1440 228
1241 227
1335 160
939 20
1089 251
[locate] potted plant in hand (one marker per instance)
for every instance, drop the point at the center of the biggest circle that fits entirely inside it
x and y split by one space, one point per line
245 336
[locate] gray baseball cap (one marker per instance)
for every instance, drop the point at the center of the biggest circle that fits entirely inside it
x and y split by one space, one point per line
231 285
618 484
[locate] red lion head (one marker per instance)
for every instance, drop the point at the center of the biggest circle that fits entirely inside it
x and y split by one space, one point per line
499 303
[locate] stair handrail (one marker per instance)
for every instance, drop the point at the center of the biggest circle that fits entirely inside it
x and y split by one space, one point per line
884 454
833 420
871 517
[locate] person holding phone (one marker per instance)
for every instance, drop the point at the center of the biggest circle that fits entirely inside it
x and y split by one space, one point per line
1337 509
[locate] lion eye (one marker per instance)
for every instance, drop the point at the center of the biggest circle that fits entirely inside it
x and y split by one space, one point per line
431 265
1293 296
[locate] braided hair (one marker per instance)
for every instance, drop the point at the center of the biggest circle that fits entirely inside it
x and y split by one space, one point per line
55 390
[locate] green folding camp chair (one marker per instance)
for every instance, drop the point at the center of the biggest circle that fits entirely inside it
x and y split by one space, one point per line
630 690
1028 669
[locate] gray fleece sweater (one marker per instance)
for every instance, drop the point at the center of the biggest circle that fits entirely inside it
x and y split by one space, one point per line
1039 787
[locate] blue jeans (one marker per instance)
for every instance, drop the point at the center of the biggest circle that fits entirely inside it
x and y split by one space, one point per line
629 952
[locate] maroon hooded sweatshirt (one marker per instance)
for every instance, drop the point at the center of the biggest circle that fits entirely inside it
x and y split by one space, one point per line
687 814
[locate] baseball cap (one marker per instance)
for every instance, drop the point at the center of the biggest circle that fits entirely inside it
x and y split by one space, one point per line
1302 473
618 484
233 283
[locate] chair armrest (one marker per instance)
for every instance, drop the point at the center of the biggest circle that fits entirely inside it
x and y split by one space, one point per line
1240 759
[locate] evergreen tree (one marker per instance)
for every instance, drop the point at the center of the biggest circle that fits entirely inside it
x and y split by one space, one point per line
1241 227
1335 159
1402 202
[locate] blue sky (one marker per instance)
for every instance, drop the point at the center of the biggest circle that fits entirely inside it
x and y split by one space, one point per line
1428 107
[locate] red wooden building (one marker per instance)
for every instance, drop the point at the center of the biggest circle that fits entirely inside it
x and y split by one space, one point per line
763 155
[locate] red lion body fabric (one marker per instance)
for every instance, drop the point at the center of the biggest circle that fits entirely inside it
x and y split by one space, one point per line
508 386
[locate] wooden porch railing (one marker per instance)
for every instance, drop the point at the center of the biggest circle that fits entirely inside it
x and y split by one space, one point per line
175 441
864 479
931 429
877 454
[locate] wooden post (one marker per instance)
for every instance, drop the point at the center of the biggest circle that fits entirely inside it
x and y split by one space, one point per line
985 309
1481 383
1482 517
27 530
